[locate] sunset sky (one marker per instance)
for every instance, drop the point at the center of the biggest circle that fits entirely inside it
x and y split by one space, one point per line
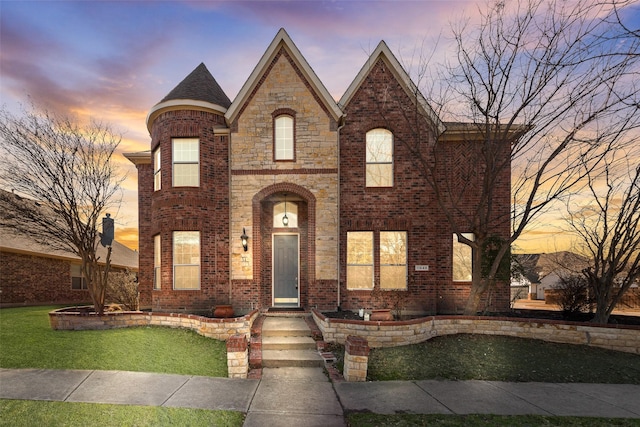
113 60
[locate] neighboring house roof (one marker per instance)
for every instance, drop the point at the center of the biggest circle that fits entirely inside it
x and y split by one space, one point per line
383 52
537 266
282 40
199 90
11 241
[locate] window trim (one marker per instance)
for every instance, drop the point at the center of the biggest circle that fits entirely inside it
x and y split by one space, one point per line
157 169
405 264
372 265
157 262
284 112
367 163
199 264
83 280
454 241
174 162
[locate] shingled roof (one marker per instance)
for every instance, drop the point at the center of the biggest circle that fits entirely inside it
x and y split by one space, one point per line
199 86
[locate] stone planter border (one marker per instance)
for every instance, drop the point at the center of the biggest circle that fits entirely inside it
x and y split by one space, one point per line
221 329
397 333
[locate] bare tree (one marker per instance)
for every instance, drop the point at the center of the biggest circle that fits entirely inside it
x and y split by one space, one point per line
64 180
608 230
525 91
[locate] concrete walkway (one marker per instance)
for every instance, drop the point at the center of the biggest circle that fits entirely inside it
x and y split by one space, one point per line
304 396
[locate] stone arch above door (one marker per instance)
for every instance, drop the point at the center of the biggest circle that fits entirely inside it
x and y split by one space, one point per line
302 194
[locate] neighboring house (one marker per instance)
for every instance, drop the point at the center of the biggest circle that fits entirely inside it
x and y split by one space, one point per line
32 273
544 271
285 198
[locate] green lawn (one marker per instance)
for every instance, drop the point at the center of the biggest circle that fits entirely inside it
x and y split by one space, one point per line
29 342
39 413
497 358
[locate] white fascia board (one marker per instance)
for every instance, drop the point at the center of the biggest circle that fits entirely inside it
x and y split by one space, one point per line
181 104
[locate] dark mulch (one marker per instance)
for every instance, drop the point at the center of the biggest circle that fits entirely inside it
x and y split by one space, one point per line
520 313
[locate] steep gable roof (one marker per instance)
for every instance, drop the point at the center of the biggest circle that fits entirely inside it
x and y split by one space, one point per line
199 91
383 52
199 85
282 39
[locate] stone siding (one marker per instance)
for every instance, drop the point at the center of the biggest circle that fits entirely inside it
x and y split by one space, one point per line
393 334
220 329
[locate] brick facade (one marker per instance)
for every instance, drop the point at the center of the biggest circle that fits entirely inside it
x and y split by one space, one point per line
29 279
241 182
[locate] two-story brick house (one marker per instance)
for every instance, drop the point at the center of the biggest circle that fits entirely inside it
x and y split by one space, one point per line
286 198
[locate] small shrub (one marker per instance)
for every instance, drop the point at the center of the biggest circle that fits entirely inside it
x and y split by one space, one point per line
573 295
122 289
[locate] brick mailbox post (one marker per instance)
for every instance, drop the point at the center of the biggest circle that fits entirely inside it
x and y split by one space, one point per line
356 358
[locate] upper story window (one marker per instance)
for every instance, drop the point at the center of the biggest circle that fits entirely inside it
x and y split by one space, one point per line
186 162
157 176
283 146
462 261
379 169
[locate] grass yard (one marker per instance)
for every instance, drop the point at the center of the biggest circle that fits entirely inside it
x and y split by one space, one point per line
498 358
29 342
18 413
406 420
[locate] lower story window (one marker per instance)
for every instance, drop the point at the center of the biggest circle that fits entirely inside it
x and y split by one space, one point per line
393 260
462 261
360 260
186 260
157 257
78 281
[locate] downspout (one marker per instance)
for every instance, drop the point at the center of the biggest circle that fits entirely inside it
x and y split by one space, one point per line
338 213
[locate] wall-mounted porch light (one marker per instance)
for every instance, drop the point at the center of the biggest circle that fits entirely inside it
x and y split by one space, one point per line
285 218
245 240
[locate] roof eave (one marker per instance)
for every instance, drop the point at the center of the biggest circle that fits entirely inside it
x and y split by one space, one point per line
181 104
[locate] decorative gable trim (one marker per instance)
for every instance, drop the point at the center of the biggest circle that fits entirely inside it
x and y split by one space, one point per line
383 53
282 41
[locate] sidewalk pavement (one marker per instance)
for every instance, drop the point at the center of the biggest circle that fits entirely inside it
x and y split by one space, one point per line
297 396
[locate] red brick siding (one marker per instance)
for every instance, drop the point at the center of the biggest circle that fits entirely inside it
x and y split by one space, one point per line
411 204
204 209
30 279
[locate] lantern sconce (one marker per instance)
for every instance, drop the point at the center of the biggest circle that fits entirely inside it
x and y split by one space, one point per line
285 218
245 240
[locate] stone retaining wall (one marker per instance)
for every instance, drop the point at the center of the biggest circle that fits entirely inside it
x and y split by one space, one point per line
396 333
220 329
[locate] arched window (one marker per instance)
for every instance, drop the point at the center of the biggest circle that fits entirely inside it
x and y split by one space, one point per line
379 169
285 208
283 146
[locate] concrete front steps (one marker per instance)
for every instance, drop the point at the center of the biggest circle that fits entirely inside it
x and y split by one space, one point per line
287 342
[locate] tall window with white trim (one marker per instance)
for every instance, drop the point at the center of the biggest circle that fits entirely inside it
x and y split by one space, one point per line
283 134
462 260
393 260
360 260
186 162
157 257
379 158
186 260
157 176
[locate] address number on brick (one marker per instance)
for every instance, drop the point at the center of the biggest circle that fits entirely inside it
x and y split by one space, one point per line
422 268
